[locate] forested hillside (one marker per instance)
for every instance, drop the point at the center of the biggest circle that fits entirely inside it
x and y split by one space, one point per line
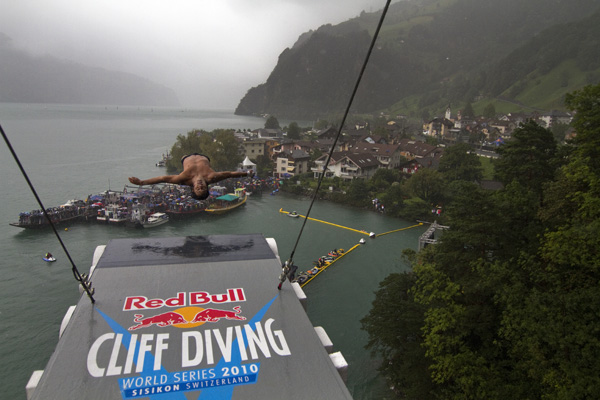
506 305
432 53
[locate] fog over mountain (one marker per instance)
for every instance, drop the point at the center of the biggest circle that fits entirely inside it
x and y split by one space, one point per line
208 52
45 79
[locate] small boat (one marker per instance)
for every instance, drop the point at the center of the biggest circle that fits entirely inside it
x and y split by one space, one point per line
62 215
362 241
155 219
303 277
227 202
49 258
293 214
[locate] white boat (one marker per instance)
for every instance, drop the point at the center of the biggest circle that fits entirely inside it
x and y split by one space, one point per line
155 219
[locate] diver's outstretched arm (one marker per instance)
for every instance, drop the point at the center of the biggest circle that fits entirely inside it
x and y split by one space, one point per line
157 179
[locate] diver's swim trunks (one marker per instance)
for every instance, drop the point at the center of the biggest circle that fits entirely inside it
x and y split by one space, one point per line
193 154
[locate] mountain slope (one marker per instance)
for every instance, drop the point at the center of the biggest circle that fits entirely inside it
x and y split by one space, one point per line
29 79
430 53
555 62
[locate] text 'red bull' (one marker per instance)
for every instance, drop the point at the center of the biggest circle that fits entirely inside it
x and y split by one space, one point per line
184 299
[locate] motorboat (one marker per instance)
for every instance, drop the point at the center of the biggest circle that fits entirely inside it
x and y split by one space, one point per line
155 219
49 258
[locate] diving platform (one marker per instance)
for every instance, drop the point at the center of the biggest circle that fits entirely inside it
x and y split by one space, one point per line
196 317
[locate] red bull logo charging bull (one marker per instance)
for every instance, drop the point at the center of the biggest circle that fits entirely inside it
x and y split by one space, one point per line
177 318
188 313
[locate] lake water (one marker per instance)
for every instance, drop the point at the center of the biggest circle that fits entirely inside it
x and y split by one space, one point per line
73 151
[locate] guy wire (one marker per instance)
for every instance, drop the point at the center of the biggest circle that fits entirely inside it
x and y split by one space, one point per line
84 283
364 66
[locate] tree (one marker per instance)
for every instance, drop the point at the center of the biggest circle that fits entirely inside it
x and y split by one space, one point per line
315 154
226 155
193 142
219 145
383 178
264 165
399 341
528 157
559 132
489 111
458 285
427 184
358 193
393 199
293 131
551 316
459 163
468 112
272 123
586 122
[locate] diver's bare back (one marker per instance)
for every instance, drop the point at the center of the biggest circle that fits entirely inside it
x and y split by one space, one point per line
195 166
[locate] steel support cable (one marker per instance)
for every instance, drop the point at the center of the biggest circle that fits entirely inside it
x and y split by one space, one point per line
358 80
81 279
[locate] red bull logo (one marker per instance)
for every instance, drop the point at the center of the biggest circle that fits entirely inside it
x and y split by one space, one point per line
183 299
162 320
214 315
195 316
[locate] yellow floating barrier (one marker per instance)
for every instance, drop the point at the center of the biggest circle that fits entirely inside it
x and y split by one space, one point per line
401 229
328 223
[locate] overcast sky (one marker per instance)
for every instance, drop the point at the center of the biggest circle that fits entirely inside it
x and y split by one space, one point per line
209 51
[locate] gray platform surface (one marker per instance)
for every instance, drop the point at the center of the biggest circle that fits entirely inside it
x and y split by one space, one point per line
190 318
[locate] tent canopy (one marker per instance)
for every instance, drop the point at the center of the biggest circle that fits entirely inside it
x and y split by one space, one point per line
248 163
228 197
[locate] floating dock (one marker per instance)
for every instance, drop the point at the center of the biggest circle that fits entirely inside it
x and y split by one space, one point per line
313 276
196 317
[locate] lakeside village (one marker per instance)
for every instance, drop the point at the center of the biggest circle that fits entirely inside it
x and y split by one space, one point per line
358 154
148 207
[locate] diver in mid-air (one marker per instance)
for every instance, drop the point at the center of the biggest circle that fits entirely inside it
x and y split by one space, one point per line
197 173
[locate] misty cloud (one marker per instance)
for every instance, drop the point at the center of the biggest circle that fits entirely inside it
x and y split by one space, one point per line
210 52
